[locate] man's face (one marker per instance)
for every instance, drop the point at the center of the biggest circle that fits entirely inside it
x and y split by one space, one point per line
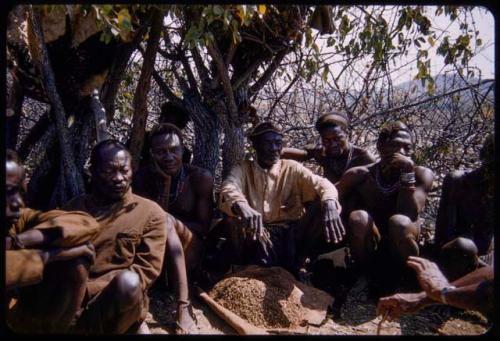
113 173
14 184
166 149
398 143
334 140
268 148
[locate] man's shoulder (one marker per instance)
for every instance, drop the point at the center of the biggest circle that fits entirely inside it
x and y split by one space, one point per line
292 164
147 203
363 155
199 173
422 171
363 170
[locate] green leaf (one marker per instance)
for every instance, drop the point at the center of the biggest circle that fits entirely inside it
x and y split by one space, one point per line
124 18
330 41
107 8
431 41
325 73
315 48
218 10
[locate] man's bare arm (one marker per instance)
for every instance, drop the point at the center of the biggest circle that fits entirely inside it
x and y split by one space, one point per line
31 239
411 201
203 184
350 180
295 154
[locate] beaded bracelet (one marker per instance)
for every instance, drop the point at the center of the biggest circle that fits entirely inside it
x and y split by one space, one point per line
407 178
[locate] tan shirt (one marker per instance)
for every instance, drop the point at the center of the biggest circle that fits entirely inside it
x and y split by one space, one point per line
132 236
25 267
278 193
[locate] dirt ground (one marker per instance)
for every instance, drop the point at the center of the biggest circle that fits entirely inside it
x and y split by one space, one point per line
358 317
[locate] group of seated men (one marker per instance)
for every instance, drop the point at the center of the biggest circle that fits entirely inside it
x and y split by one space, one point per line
87 267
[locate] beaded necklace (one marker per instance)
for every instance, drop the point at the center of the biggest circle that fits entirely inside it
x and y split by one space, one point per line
385 190
176 186
333 164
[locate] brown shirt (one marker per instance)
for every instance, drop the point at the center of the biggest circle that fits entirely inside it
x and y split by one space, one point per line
25 267
278 193
132 236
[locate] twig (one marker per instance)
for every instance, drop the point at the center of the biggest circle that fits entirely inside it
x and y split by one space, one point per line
379 326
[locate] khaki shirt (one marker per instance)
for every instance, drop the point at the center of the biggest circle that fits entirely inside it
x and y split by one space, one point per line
25 267
132 236
278 193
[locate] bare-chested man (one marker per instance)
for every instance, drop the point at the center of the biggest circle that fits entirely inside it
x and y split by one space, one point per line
389 196
183 190
336 154
47 260
465 220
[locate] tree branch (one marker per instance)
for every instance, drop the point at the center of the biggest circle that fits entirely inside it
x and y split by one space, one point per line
257 86
139 102
166 90
110 87
214 52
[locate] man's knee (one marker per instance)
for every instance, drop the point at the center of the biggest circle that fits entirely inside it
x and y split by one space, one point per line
360 220
128 288
462 250
401 228
461 245
458 257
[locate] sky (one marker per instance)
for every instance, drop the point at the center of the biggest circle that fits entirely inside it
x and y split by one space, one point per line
484 60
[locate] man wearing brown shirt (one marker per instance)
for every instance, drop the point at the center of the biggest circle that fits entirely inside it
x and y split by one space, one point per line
278 206
47 260
129 246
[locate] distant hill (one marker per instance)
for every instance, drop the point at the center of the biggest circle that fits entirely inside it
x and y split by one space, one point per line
443 84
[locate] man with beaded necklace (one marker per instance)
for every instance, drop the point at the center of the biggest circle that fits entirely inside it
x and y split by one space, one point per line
388 197
336 154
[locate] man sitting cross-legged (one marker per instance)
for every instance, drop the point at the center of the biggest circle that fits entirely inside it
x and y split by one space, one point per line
130 246
388 197
47 260
277 209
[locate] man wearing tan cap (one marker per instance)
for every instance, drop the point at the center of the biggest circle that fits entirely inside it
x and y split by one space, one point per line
335 154
277 208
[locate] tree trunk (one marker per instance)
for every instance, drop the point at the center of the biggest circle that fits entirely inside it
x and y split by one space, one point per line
206 133
99 115
71 183
34 135
140 98
233 149
15 98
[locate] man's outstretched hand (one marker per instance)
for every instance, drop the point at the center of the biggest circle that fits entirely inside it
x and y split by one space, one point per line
334 229
392 307
430 278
